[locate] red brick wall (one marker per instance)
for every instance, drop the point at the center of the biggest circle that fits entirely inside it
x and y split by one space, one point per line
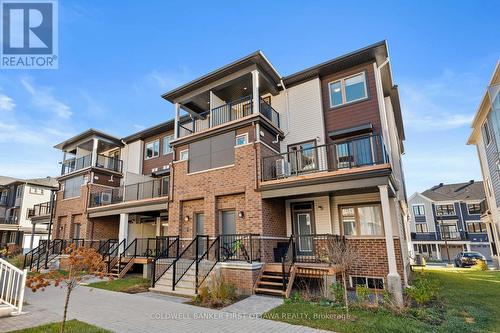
104 227
157 162
243 279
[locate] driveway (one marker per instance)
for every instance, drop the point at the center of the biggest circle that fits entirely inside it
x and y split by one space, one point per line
120 312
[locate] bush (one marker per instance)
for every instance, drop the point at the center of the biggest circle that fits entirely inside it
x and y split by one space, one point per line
363 294
17 260
338 292
215 293
480 265
423 290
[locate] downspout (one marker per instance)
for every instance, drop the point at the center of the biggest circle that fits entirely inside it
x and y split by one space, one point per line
257 164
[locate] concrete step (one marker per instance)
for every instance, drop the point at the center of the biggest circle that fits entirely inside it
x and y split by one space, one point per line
178 291
5 310
269 291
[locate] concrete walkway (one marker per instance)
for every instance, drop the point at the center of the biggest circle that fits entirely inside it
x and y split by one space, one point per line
254 305
120 312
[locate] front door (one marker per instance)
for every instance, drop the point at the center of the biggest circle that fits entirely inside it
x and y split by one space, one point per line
199 229
228 228
303 228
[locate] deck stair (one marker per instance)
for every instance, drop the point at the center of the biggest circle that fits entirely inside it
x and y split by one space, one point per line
271 280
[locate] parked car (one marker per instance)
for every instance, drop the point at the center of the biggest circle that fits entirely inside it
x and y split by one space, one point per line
468 259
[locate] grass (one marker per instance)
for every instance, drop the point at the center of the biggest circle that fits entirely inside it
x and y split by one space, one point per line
130 284
72 326
469 301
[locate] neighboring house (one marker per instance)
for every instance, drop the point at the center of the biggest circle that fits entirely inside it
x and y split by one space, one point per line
486 136
18 197
268 166
447 219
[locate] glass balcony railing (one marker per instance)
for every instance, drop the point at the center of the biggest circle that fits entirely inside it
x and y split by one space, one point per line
102 161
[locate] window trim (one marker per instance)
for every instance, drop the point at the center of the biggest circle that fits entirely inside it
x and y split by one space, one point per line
487 132
366 277
475 232
357 224
420 224
36 190
182 152
171 150
146 149
342 90
244 135
418 205
446 204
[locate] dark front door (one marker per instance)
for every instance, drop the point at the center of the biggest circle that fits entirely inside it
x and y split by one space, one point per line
199 229
303 221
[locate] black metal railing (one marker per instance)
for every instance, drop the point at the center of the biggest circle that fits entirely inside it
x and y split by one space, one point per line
206 262
40 209
348 154
75 164
146 190
114 254
102 161
287 262
186 259
240 247
169 251
128 254
109 163
271 114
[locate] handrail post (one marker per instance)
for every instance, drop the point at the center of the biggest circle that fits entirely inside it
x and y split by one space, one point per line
251 249
173 274
196 265
135 248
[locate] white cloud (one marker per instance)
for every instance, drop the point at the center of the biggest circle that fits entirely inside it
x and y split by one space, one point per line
170 80
43 97
6 103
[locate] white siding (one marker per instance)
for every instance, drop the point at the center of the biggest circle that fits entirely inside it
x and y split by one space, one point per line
132 156
28 201
429 217
322 220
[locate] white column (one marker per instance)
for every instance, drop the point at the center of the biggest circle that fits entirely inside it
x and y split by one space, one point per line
468 246
255 91
438 251
123 231
95 143
158 226
393 278
176 120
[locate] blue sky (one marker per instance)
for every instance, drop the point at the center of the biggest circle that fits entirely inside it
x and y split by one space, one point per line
116 58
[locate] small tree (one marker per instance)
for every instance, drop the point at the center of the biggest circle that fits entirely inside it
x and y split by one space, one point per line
83 263
343 256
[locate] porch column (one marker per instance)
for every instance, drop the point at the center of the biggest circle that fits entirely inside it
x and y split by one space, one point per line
176 120
255 91
393 278
438 252
123 231
33 226
95 143
468 246
158 226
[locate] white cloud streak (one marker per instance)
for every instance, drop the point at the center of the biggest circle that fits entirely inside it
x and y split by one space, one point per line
6 103
43 98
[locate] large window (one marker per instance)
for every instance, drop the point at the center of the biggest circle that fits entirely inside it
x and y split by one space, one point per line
362 220
166 144
445 209
474 208
213 152
476 227
152 149
19 191
72 187
348 90
421 228
419 210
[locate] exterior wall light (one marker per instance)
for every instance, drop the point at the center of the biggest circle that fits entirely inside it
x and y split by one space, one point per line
241 214
186 218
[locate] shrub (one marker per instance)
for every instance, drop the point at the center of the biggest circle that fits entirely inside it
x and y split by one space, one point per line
215 293
17 260
363 294
423 290
295 298
338 292
480 265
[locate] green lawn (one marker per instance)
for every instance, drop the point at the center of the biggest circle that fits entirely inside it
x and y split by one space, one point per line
469 301
72 326
130 284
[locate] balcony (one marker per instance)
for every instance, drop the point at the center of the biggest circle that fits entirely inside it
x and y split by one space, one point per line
155 188
226 113
345 155
453 235
423 236
10 220
102 161
40 209
3 201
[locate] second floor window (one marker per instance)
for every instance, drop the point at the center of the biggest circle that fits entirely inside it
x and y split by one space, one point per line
474 208
445 209
486 133
72 187
19 191
348 90
476 227
418 210
36 190
421 228
152 149
166 144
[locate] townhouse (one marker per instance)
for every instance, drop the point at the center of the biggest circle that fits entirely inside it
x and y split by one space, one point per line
446 219
255 174
18 198
485 136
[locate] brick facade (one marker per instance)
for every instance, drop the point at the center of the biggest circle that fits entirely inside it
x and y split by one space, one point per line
243 279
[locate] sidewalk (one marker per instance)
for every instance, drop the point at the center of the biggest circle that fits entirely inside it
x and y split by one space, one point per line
120 312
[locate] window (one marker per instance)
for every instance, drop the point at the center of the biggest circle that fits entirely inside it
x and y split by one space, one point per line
242 139
476 227
166 144
348 90
165 185
36 190
152 149
370 282
421 228
418 210
486 133
474 208
184 155
72 187
445 209
210 153
303 157
362 220
19 191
